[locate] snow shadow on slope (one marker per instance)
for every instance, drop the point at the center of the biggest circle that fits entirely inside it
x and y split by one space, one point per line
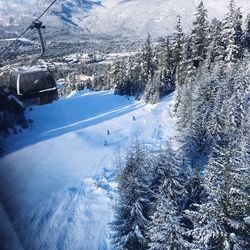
71 114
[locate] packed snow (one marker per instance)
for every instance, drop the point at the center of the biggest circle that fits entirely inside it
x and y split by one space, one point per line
57 178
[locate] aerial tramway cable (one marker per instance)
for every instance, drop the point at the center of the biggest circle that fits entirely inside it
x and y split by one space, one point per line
30 27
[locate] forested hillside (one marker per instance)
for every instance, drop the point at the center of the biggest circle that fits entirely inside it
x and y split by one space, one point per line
195 196
148 145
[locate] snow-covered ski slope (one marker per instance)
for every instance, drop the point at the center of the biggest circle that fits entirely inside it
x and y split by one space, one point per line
57 178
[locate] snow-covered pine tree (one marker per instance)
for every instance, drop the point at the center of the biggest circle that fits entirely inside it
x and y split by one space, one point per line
199 36
130 81
215 125
134 84
178 43
236 105
162 50
184 71
165 71
195 194
185 68
133 204
232 85
152 91
204 98
238 34
170 73
246 36
185 122
232 34
166 230
116 77
148 64
216 48
194 190
168 171
219 222
139 85
161 57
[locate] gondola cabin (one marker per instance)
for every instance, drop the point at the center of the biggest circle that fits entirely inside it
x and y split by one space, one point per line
34 85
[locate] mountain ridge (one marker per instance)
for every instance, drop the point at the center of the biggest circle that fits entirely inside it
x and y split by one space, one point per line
116 17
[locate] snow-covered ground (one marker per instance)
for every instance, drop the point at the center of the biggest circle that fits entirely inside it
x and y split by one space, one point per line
8 236
57 179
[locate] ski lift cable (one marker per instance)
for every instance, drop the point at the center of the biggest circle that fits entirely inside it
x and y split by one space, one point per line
37 19
47 9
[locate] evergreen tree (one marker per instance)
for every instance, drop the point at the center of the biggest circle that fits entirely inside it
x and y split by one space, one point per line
204 98
246 36
131 212
116 77
170 73
219 222
194 190
238 34
199 35
152 91
164 67
169 172
161 57
166 230
232 34
148 60
215 127
131 78
216 46
185 67
178 42
185 112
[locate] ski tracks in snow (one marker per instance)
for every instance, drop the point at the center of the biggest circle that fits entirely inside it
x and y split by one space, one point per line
68 173
76 218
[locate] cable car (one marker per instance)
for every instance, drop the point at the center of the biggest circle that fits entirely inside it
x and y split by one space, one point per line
34 84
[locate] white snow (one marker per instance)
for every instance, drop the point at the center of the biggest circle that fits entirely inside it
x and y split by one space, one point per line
57 178
129 18
13 39
8 236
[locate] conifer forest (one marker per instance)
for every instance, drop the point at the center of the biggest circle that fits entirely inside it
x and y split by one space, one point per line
195 197
130 130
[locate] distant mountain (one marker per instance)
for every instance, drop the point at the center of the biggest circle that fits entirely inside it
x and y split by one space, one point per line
126 17
68 12
73 11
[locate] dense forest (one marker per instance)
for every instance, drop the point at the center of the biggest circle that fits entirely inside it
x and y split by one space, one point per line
194 194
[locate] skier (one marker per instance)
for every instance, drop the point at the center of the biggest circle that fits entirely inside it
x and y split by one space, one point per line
108 133
105 143
134 118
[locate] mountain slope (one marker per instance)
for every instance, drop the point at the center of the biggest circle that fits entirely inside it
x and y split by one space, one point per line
129 17
62 176
138 17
